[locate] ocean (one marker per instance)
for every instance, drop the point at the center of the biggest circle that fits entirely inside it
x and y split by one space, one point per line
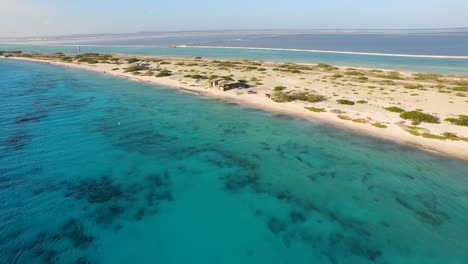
442 44
99 169
416 64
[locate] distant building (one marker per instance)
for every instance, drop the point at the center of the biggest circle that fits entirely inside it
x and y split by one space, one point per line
225 84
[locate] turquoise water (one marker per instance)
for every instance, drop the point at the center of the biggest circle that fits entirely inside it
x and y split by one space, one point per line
95 169
418 64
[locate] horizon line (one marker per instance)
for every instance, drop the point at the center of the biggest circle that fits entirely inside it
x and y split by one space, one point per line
229 30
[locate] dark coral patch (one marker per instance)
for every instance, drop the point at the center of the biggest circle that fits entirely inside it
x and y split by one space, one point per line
275 225
95 190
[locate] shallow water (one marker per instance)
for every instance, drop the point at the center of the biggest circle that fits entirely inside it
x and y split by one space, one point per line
450 44
417 64
96 169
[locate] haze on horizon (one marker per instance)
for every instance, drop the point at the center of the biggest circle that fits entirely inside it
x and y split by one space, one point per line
22 18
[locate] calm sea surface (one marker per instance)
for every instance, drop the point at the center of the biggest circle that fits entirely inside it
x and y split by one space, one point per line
96 169
452 44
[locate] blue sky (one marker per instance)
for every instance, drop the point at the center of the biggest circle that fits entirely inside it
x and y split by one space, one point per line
51 17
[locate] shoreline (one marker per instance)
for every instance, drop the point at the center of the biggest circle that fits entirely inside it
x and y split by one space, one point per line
456 57
331 51
394 134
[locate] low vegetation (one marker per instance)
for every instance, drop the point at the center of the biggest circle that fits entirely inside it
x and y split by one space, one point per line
135 68
315 109
132 60
395 109
164 73
196 76
281 97
426 77
462 120
418 117
279 88
343 117
413 86
345 102
379 125
391 76
326 67
308 97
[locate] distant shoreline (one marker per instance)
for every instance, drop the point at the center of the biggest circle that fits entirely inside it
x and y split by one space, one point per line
332 51
245 48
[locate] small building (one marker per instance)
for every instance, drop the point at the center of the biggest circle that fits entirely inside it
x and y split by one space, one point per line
226 84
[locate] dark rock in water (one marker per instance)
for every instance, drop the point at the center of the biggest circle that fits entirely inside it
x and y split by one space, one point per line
40 238
106 216
50 256
240 180
99 190
83 260
156 180
37 252
74 231
297 217
275 225
56 237
360 250
18 141
30 118
335 239
425 208
139 214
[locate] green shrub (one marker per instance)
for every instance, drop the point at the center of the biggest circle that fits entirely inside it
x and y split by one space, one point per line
461 88
391 76
307 97
134 68
361 102
132 60
88 60
354 73
413 86
326 67
379 125
419 117
394 109
360 120
279 88
432 136
426 77
345 102
281 97
462 120
343 117
164 73
196 76
315 109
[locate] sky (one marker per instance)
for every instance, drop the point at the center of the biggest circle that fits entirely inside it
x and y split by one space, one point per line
63 17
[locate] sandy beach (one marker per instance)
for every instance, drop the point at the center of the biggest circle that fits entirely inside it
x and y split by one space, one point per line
351 98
